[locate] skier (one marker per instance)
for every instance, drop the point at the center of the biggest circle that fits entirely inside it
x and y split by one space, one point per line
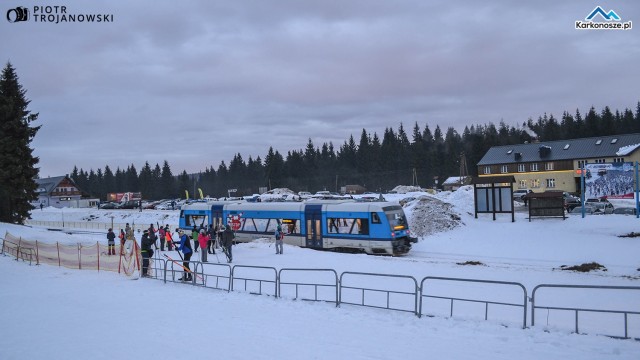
185 247
227 242
146 251
111 242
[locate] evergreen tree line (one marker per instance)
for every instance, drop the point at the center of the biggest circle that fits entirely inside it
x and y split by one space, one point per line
378 164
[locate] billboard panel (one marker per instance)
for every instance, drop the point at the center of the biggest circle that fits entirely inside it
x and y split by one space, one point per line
615 181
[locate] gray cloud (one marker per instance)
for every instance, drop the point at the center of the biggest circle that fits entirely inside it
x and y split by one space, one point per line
197 82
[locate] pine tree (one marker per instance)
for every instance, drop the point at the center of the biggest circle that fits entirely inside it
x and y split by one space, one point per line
17 163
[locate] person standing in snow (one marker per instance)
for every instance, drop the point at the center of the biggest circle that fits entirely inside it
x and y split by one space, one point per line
111 242
203 238
161 234
168 237
146 251
278 234
122 240
194 236
185 247
227 242
128 231
211 249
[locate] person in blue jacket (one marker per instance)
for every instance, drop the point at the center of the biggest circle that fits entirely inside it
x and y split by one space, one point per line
185 247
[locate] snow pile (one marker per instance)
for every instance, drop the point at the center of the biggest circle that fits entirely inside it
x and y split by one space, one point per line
428 215
277 194
461 198
403 189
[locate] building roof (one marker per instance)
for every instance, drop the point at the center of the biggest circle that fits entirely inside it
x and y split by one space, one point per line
47 185
585 148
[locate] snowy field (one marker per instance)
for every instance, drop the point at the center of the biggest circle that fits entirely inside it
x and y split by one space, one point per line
58 313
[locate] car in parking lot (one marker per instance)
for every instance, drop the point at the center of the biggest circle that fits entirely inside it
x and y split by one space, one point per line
624 211
109 205
519 193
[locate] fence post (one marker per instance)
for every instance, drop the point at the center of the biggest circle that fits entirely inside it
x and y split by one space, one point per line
37 254
79 246
18 249
98 243
58 247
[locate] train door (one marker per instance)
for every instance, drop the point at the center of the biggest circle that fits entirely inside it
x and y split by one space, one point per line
313 218
216 215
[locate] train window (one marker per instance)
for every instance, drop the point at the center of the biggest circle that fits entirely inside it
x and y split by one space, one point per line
348 226
395 215
375 219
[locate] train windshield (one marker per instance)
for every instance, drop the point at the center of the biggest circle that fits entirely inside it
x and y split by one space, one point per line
395 215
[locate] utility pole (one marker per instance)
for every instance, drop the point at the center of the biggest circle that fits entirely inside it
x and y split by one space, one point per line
463 168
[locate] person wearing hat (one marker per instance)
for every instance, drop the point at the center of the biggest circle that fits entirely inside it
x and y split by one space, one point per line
185 247
146 251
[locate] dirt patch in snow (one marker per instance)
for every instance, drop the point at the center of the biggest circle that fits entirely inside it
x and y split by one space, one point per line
586 267
429 215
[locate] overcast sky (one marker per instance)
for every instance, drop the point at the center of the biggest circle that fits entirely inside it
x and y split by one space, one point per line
195 82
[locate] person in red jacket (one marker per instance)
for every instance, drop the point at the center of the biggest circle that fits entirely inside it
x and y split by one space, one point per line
203 238
161 234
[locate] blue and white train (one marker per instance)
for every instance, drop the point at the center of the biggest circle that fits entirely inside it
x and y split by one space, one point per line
370 227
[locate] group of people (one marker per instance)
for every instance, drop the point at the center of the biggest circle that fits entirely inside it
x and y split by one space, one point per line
204 238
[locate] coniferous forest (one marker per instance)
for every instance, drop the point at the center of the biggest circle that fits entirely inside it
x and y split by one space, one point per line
421 156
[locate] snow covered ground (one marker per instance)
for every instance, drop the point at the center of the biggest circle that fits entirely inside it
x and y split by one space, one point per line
58 313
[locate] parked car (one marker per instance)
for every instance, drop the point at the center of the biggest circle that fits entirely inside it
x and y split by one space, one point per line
109 205
624 211
518 194
603 207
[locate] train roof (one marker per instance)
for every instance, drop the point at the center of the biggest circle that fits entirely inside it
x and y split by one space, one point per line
205 205
354 206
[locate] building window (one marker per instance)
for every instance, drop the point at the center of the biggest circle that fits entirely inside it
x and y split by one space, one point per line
522 184
582 163
521 168
534 167
551 183
548 166
535 183
487 169
504 169
618 160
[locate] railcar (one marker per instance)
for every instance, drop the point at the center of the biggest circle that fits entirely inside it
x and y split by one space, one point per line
369 227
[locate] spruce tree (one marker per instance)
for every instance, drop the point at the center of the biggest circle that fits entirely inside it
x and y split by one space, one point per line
17 163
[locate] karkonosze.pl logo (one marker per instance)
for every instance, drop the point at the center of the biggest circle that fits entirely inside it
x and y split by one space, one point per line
53 14
613 21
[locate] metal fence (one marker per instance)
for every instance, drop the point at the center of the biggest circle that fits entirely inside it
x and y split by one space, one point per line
88 225
389 295
396 292
476 299
320 289
585 308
